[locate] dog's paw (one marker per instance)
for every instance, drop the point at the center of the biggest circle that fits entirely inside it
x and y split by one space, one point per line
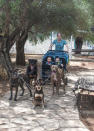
10 98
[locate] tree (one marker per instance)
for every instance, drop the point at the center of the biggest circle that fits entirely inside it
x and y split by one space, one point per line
20 57
20 18
87 7
9 35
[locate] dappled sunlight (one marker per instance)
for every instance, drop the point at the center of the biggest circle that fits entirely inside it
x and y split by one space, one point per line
82 65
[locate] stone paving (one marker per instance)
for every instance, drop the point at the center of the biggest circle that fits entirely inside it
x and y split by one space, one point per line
60 113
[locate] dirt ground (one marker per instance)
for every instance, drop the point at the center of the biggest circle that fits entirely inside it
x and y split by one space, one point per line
87 118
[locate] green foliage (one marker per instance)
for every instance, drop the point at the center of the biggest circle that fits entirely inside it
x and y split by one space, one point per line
89 6
41 17
2 3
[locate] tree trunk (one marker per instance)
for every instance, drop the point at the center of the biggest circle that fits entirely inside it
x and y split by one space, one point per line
20 56
5 61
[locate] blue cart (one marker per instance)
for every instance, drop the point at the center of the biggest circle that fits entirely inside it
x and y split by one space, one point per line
64 58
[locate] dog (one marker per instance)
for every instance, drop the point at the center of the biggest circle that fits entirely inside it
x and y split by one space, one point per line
18 80
32 73
38 94
62 76
57 75
55 78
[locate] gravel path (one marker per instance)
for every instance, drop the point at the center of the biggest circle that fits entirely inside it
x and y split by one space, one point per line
60 113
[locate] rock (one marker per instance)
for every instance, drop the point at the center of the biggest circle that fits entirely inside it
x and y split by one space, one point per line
16 129
71 124
3 121
19 121
73 129
49 124
38 129
4 126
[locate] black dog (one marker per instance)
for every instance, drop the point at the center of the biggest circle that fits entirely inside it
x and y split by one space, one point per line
38 94
17 80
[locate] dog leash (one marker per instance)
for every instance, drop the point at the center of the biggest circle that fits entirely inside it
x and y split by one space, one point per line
27 84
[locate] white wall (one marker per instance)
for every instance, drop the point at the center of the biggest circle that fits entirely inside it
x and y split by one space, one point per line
42 47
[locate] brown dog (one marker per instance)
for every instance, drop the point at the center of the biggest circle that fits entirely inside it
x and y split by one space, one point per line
38 95
62 76
56 76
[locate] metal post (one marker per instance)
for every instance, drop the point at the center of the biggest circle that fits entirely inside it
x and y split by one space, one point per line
70 54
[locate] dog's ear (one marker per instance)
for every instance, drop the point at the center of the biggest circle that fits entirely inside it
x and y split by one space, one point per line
35 83
42 87
42 82
39 82
56 67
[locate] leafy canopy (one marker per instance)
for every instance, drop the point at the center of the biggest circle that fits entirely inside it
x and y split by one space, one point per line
40 17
